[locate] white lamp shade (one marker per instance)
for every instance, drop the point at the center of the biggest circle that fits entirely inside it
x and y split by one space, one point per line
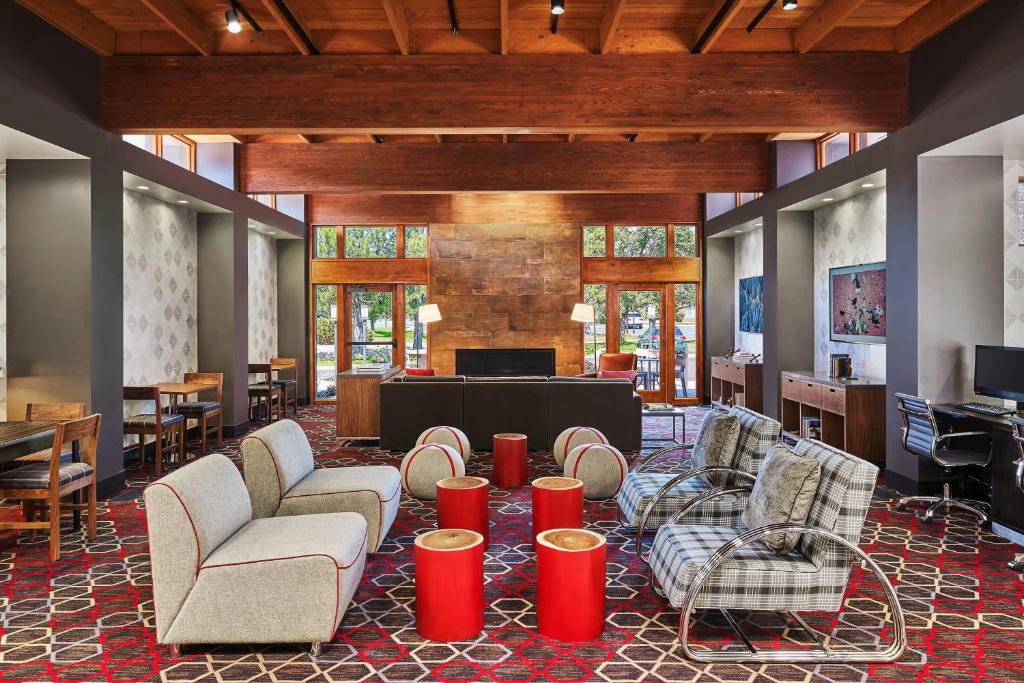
428 313
583 313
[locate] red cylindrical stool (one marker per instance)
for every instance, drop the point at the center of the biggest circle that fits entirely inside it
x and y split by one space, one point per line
449 584
557 504
510 467
462 504
570 584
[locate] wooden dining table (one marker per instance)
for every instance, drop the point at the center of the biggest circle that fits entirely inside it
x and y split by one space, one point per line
177 390
18 438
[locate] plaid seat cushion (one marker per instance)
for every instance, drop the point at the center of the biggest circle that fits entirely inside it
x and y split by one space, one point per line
37 475
262 386
284 382
196 407
753 578
149 420
640 487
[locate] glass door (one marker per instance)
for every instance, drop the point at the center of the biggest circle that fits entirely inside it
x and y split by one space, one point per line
370 325
641 317
326 340
686 350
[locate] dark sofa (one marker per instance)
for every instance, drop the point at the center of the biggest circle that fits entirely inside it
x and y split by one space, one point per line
539 407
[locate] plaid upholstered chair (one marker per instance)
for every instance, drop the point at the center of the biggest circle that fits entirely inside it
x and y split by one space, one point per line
730 567
648 499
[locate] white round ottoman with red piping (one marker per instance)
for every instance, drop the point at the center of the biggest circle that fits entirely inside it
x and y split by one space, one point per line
449 436
571 438
600 467
424 466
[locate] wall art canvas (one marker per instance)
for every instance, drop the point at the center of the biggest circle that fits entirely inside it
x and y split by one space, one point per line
752 304
857 301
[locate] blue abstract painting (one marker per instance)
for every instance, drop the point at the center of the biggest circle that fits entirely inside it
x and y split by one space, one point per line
752 304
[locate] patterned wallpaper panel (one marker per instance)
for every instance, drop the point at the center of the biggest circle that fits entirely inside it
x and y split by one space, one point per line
1013 256
748 261
262 297
160 286
847 233
3 290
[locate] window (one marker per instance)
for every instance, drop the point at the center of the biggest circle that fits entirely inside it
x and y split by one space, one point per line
594 243
415 331
325 314
744 197
371 241
640 240
866 139
325 241
265 199
416 241
685 240
146 142
833 148
178 150
685 347
594 334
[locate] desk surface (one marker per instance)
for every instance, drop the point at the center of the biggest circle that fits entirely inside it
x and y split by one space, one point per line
951 410
825 378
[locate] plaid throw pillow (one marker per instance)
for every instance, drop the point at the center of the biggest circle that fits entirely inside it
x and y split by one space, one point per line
716 446
784 491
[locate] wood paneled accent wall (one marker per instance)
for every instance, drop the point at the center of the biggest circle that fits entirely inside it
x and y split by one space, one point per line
504 285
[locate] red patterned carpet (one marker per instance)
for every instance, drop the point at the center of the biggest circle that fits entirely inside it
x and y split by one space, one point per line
89 616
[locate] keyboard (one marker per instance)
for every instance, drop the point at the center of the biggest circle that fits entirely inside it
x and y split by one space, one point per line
984 408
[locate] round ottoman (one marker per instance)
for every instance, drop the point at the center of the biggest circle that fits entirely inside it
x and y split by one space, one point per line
571 438
424 466
462 504
600 467
449 584
449 436
570 584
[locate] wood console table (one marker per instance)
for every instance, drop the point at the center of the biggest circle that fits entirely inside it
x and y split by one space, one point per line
358 402
852 411
736 382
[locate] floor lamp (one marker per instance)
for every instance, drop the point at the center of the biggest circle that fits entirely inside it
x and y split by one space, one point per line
584 313
426 314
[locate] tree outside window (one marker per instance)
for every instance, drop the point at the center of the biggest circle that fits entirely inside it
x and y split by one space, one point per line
640 240
371 241
594 244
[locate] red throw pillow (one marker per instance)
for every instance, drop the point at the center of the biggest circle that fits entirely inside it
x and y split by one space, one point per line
617 374
420 372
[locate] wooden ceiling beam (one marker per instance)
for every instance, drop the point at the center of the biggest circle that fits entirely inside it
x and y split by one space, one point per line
506 30
493 94
822 21
77 22
175 14
587 167
610 23
715 22
704 137
934 17
396 18
298 35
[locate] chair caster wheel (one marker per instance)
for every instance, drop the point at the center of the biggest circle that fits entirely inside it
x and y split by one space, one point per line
900 507
927 520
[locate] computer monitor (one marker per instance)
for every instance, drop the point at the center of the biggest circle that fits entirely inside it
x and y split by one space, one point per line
999 372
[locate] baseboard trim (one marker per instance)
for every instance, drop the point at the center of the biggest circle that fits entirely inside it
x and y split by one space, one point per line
911 487
111 485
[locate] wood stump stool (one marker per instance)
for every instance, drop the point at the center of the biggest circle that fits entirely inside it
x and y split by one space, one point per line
557 504
510 466
449 584
462 504
570 584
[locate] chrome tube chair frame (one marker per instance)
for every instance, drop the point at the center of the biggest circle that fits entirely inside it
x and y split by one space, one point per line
1017 425
933 449
822 655
649 459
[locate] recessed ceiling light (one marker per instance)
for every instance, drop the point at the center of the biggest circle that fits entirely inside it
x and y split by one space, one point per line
143 187
757 225
828 199
867 185
183 201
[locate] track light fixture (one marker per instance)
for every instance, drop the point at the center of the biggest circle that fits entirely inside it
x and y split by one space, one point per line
789 4
234 17
558 6
453 17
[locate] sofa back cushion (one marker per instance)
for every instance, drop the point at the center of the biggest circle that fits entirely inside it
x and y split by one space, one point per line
190 512
274 459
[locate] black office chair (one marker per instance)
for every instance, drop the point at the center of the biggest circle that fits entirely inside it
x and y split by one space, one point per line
1017 564
922 436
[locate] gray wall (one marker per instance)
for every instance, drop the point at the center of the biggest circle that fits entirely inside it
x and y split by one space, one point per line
293 309
719 302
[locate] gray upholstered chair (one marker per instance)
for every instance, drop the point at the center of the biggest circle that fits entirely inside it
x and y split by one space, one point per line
730 567
957 453
278 466
220 576
648 499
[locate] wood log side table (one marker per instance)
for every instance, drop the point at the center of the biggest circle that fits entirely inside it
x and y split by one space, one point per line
462 504
557 504
449 584
511 469
570 584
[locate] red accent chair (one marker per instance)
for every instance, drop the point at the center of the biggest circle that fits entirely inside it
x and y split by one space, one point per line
421 372
614 362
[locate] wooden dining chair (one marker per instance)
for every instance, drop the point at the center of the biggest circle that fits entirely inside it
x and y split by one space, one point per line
168 430
58 412
289 385
264 390
203 411
50 481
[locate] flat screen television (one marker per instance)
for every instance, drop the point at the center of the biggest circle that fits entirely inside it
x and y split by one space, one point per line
504 362
999 372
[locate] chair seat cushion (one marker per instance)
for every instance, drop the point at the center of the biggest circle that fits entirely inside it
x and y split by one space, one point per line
196 407
373 491
262 386
142 421
953 457
340 536
753 577
640 487
37 475
284 382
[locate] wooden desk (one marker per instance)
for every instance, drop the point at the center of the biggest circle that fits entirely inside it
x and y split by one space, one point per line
178 389
358 402
852 411
736 382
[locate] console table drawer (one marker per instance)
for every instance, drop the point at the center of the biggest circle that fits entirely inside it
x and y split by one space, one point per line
810 393
833 400
733 373
791 388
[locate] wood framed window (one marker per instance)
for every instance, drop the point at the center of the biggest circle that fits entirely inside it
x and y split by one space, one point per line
178 149
265 199
835 146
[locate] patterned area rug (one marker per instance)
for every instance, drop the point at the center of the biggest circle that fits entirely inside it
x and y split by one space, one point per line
89 616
